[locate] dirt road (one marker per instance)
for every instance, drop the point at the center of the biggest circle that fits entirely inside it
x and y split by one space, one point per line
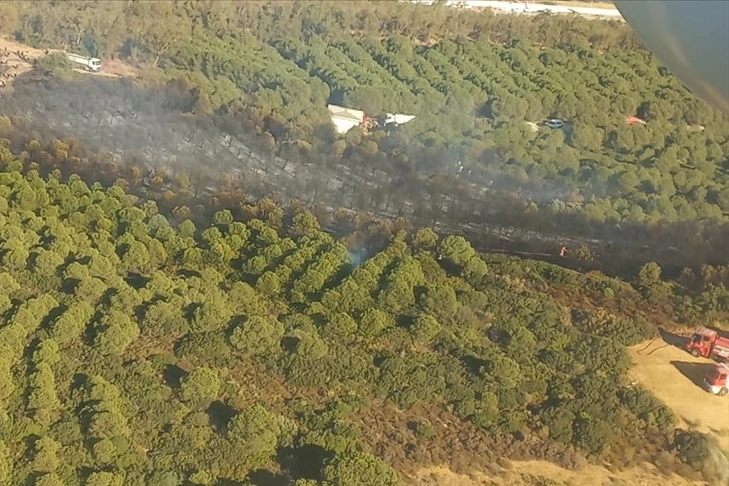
599 10
18 59
674 376
112 68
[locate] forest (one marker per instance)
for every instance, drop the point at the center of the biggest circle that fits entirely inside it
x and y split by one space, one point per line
473 80
154 334
142 348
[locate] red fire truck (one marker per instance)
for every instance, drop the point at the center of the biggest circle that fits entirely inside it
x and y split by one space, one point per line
707 343
717 380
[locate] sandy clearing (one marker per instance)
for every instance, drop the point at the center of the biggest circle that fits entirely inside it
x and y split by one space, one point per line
13 64
674 376
531 473
669 372
13 46
118 68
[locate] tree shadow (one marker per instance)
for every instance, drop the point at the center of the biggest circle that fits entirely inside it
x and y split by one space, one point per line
693 371
220 415
304 462
264 477
69 285
234 322
404 322
183 272
33 478
90 330
474 364
288 343
54 314
136 280
692 424
172 376
672 338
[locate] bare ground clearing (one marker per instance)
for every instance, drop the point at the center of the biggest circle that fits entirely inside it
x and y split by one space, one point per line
17 65
674 376
670 373
532 473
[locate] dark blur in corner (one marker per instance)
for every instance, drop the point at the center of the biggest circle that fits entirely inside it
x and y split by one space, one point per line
691 38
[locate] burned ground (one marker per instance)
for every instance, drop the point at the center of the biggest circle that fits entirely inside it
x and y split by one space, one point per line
156 127
149 127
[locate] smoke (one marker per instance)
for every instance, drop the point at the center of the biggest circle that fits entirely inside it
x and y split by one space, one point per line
357 256
149 127
718 462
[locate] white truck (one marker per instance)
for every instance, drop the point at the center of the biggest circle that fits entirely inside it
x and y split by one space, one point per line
90 63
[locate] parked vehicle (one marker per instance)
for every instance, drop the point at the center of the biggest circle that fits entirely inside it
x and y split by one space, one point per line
554 123
707 343
90 63
717 380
